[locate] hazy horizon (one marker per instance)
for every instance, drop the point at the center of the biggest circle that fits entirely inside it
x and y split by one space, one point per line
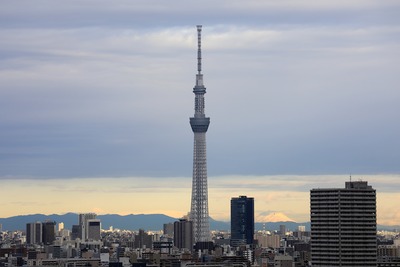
171 196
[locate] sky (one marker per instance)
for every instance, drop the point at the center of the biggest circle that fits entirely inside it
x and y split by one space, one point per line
95 100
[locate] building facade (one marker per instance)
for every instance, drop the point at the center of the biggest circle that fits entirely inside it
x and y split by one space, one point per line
183 234
34 233
41 232
168 229
93 229
49 232
343 225
83 224
143 240
199 123
242 221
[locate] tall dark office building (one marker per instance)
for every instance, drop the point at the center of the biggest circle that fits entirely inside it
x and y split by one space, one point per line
34 233
41 232
343 226
93 229
242 221
183 234
49 232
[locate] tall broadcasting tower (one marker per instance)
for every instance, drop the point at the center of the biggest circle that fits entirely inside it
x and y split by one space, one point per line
199 123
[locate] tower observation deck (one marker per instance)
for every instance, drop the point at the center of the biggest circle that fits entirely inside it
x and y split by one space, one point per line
199 124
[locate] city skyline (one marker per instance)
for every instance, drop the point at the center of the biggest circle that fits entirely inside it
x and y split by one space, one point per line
275 194
302 92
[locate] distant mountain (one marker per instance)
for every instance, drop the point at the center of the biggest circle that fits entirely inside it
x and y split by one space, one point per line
128 222
135 222
140 221
19 222
274 217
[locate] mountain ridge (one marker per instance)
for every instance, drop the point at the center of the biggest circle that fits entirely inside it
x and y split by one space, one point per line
153 222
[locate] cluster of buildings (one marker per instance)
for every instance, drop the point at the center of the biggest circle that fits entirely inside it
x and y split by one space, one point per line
86 244
343 233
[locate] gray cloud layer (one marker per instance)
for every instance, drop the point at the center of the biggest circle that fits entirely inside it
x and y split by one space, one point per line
96 88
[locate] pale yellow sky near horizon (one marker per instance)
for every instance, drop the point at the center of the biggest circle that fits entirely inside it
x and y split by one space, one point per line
171 195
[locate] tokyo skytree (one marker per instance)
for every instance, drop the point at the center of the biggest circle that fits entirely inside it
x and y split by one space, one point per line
199 123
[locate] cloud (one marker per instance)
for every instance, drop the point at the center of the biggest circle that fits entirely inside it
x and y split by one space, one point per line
300 183
107 90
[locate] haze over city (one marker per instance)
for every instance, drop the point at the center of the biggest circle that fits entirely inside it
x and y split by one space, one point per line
96 97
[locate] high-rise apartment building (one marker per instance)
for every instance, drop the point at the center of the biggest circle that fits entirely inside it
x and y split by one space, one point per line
199 123
343 225
183 234
242 221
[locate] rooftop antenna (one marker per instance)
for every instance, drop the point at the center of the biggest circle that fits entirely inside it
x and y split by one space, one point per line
350 177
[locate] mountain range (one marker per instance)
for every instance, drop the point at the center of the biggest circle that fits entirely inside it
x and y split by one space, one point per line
127 222
139 221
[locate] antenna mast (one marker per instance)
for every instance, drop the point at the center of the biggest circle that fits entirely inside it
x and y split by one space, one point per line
199 48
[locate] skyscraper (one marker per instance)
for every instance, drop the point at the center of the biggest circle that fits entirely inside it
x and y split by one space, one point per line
41 232
242 221
93 229
34 233
49 232
199 124
183 234
343 225
83 224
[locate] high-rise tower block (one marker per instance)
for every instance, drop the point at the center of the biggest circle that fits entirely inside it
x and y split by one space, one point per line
242 221
343 226
199 124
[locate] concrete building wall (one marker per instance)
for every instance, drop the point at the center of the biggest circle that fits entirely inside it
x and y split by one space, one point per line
343 225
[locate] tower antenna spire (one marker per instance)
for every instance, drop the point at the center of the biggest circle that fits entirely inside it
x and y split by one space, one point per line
199 48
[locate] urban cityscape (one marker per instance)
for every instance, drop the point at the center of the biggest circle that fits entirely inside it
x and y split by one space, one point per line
112 153
343 233
343 229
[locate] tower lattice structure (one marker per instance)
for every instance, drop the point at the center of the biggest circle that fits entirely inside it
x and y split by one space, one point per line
199 124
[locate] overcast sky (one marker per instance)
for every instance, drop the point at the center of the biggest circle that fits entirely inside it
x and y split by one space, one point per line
95 89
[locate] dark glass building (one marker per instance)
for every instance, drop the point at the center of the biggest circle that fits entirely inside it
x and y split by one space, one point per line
242 221
49 232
